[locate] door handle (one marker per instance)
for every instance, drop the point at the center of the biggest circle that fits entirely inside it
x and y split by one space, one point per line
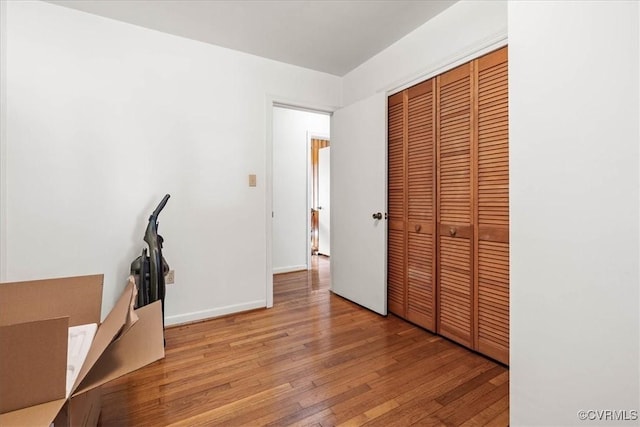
377 215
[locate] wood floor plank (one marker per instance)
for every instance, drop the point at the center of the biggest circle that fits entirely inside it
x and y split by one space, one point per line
467 386
502 419
490 413
314 359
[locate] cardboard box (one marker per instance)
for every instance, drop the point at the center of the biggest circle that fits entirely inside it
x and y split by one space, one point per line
34 321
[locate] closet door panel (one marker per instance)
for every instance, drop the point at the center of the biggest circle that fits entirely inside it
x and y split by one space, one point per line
492 330
421 205
455 249
448 205
396 207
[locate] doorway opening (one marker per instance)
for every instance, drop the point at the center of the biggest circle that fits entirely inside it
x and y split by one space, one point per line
300 195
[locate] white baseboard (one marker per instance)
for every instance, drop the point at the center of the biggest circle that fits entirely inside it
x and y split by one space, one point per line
213 312
289 269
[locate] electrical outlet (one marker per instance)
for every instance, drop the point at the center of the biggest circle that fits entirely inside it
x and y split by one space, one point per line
170 278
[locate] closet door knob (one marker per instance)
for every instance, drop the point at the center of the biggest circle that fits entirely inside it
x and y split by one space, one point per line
418 228
452 232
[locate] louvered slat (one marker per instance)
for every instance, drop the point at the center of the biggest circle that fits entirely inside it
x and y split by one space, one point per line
493 206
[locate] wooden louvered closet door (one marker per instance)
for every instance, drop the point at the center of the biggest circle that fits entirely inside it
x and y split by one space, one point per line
396 207
448 205
455 213
420 220
411 205
492 220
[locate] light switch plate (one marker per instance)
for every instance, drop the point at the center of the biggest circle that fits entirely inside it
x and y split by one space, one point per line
252 180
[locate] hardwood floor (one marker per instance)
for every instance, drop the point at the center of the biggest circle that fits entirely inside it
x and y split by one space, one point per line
314 359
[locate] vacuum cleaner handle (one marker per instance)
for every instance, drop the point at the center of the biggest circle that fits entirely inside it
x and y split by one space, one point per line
155 213
156 273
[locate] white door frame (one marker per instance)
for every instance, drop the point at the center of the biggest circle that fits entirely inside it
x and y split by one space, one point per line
310 136
270 102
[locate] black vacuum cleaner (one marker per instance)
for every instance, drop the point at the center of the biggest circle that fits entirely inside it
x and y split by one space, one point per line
150 268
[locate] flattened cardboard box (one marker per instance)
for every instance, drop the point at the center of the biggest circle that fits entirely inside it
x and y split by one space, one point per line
34 321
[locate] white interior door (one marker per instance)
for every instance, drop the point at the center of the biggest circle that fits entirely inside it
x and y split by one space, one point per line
324 202
358 190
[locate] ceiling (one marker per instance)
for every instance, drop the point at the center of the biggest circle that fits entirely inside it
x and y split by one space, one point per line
333 36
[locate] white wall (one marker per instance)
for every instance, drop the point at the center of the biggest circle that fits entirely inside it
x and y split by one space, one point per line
3 138
291 130
463 31
573 87
104 118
